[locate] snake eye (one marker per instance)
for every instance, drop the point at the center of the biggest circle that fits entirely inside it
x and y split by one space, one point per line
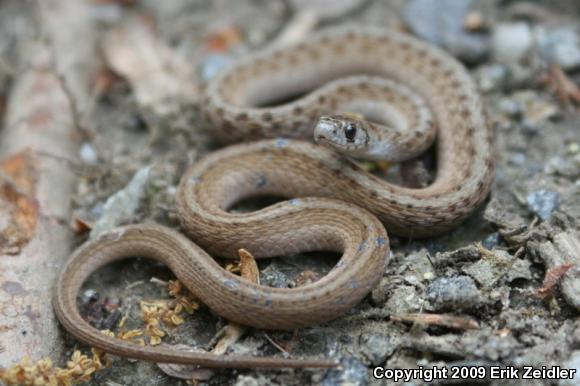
350 132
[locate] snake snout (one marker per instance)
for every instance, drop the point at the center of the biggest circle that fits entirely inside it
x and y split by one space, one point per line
324 130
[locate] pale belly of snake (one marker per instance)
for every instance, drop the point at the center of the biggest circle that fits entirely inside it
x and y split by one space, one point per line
334 203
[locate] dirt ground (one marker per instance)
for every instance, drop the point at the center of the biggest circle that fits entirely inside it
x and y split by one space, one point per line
509 275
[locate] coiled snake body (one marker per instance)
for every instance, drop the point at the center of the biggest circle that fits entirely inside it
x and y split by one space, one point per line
430 91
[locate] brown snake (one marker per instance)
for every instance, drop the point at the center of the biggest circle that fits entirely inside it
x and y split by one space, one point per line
236 105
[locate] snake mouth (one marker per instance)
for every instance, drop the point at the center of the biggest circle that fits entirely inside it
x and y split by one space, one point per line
323 140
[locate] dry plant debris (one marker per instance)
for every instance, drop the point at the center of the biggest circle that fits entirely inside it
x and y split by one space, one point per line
80 367
552 278
78 370
458 322
228 335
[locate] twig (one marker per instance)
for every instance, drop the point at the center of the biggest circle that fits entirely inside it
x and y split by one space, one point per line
458 322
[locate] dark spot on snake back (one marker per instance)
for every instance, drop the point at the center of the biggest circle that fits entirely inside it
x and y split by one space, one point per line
262 181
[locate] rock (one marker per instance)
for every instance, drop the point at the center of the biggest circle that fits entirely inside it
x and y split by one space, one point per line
441 22
417 267
510 107
518 159
88 153
89 296
520 269
503 216
510 42
574 364
404 299
212 64
564 166
453 293
489 270
559 45
492 77
377 347
272 276
122 205
322 9
461 255
561 250
543 203
350 373
246 380
491 241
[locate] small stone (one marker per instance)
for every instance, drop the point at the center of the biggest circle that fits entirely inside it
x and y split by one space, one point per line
573 363
491 241
461 255
510 107
89 296
520 269
271 276
441 22
88 153
492 77
213 64
518 159
404 299
377 347
543 203
122 205
322 9
564 166
488 271
246 380
350 373
510 42
417 265
559 45
453 293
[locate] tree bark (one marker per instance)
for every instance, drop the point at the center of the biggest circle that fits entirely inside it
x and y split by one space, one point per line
38 145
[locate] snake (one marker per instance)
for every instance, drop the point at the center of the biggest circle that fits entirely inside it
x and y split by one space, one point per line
271 104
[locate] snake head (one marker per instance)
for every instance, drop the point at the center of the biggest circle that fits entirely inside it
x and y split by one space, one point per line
341 132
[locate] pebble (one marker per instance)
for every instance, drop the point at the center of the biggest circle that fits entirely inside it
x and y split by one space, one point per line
271 276
559 45
122 205
520 269
518 159
492 77
491 241
543 203
213 64
404 299
88 153
350 373
452 293
564 166
488 271
574 364
322 9
245 380
377 347
510 107
510 42
441 22
89 296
